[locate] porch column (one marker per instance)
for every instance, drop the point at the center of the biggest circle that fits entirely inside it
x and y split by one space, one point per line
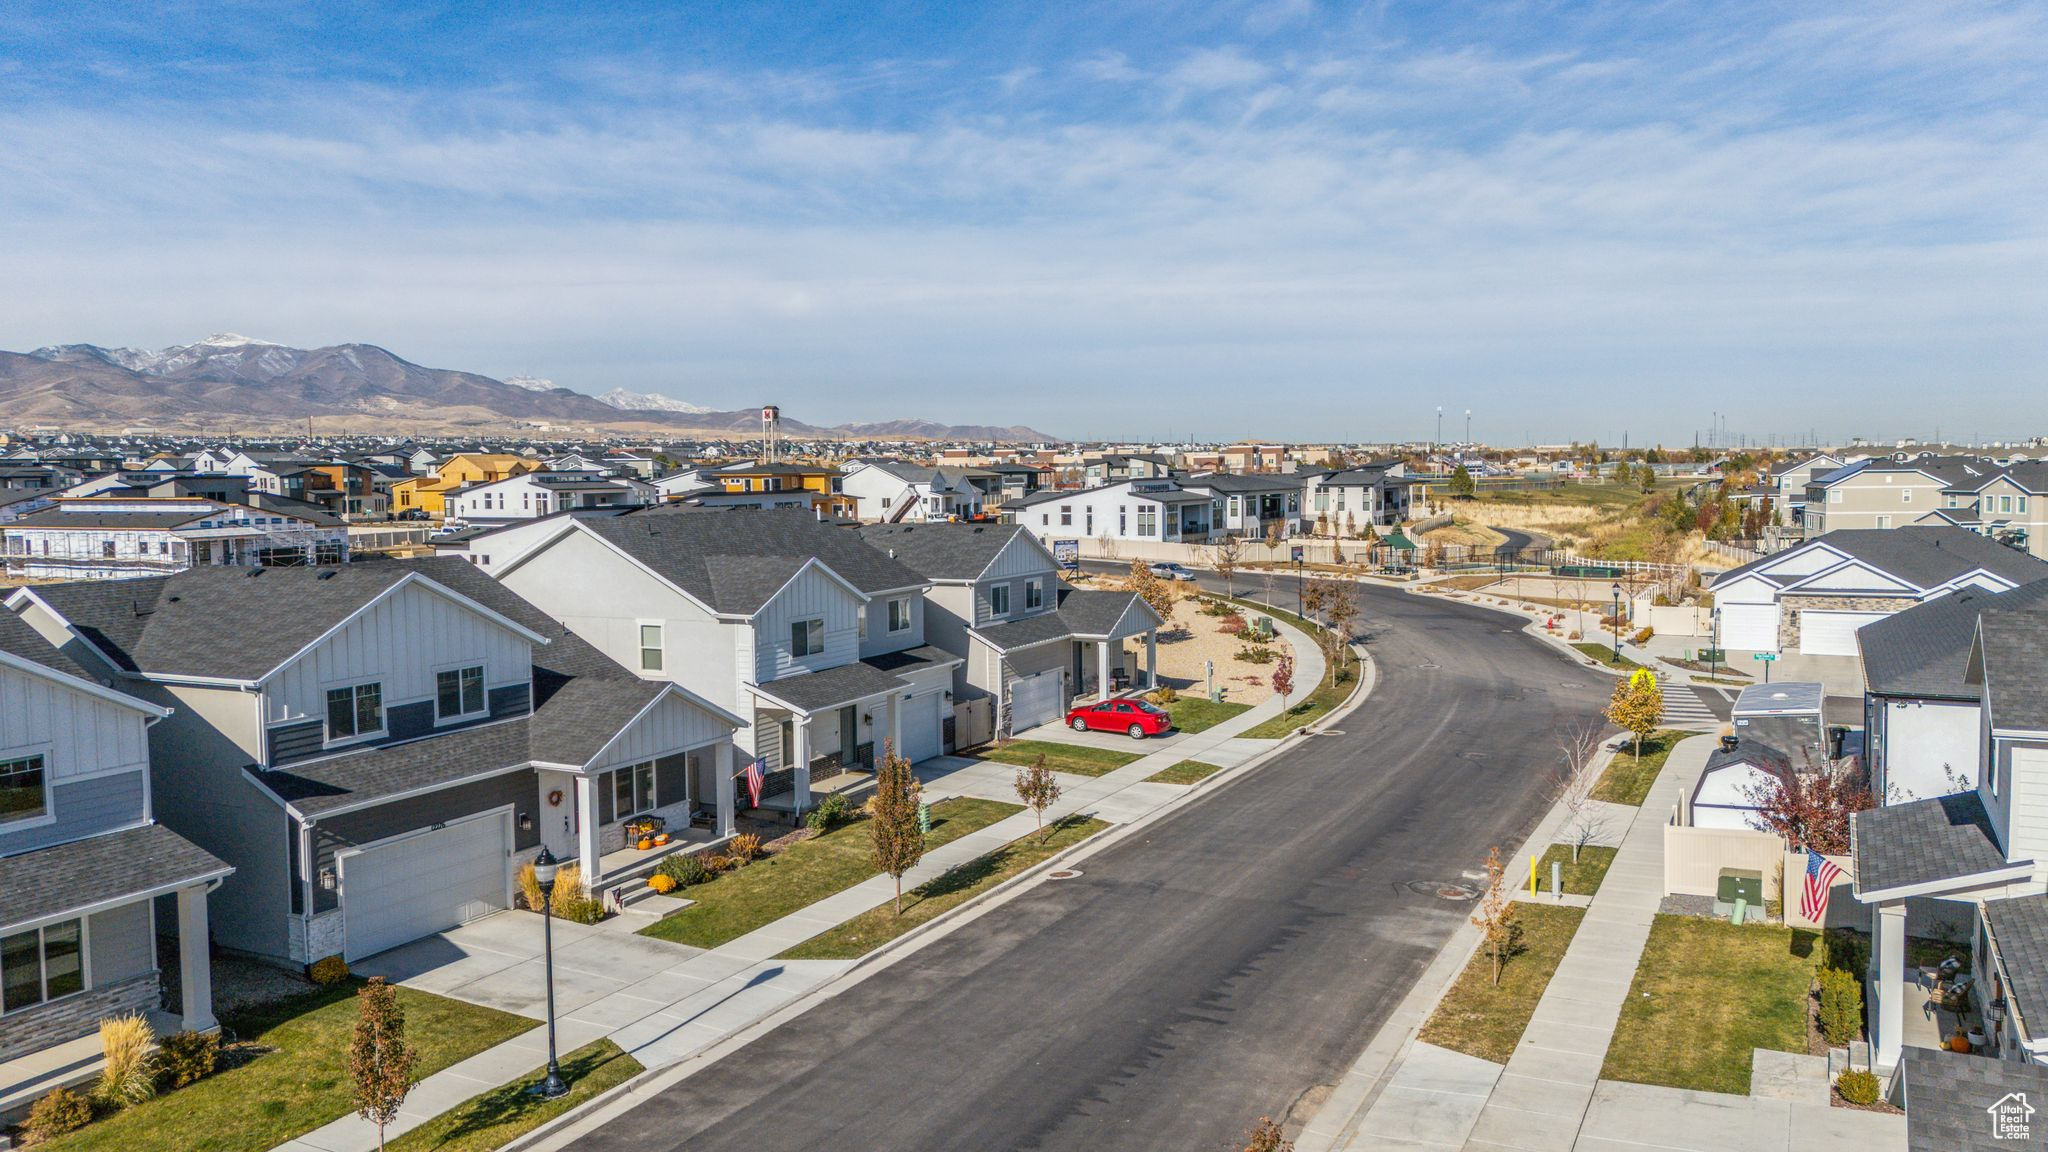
195 963
895 725
586 827
1152 659
722 770
1888 953
800 789
1102 669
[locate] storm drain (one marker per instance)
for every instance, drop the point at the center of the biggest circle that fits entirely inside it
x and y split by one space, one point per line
1444 890
1063 874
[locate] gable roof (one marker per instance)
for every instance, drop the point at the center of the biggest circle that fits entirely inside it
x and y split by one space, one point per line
946 551
19 640
1923 556
1925 650
1924 842
2013 650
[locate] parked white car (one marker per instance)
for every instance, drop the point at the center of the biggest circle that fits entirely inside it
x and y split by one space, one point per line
1168 570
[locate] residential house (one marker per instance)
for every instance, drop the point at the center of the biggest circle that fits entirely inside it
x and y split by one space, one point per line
532 494
1785 486
1885 492
899 492
1253 503
1381 494
1158 511
1812 598
2010 506
91 878
1032 644
378 748
812 636
114 537
823 487
428 494
1117 467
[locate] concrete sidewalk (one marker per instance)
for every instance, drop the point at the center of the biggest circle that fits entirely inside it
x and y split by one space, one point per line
664 1003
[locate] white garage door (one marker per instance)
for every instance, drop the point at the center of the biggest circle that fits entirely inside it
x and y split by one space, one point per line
403 889
1035 700
1749 627
1832 633
921 734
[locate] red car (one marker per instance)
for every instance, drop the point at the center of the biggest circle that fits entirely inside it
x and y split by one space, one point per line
1133 716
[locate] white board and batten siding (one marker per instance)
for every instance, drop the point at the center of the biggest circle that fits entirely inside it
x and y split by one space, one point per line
401 642
79 735
674 725
813 594
2023 779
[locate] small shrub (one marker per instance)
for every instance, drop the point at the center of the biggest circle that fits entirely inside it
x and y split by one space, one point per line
1232 625
572 898
128 1077
744 848
1841 1006
184 1057
662 883
1255 654
60 1112
1643 637
829 814
1216 608
329 971
1164 696
685 870
1857 1087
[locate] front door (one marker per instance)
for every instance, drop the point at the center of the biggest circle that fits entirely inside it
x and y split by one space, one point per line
849 737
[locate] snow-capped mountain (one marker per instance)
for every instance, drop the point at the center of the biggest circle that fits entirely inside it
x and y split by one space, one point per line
531 383
225 352
649 402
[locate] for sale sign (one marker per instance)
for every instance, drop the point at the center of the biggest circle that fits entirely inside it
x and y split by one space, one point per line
1067 553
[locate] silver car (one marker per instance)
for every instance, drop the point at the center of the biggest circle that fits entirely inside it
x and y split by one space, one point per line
1168 570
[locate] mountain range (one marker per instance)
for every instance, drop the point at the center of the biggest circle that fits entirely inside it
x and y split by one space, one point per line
228 381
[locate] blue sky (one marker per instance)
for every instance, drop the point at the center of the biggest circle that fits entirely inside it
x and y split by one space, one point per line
1286 218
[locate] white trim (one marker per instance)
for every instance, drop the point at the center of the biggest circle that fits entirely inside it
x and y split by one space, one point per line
109 903
506 813
577 527
668 690
88 687
404 581
85 983
39 752
482 666
1956 886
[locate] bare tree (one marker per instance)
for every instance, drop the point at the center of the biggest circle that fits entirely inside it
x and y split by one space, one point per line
1106 544
1495 917
1573 790
1038 789
1226 554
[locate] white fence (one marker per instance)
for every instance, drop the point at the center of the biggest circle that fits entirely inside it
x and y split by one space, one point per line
1695 858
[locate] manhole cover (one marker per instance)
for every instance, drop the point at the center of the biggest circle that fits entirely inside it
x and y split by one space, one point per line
1444 889
1063 874
1475 756
1429 666
1570 684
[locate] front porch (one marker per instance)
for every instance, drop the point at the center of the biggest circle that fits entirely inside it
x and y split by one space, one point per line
819 733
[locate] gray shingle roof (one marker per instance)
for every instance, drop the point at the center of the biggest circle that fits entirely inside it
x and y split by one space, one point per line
1947 1095
813 691
737 558
18 639
1014 634
944 551
1922 842
1923 555
275 613
2015 652
1925 650
1093 612
912 659
110 614
1232 482
54 880
2019 929
348 779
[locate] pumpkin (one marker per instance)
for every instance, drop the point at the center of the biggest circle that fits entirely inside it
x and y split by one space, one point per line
661 839
645 844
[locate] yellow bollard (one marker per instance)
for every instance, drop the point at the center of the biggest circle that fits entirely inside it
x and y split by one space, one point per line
1532 876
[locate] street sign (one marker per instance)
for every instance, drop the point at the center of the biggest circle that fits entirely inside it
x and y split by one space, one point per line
1067 554
1299 552
1766 657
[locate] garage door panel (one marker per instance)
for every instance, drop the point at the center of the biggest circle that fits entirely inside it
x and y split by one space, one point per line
1035 700
418 885
921 727
1824 633
1749 627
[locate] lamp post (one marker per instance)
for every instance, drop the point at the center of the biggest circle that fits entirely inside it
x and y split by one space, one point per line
544 869
1617 623
1439 425
1716 673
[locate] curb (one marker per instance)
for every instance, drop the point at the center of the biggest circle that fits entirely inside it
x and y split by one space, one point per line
564 1129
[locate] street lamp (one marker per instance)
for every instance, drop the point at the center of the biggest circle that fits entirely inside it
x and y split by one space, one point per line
1617 623
1439 425
544 869
1716 673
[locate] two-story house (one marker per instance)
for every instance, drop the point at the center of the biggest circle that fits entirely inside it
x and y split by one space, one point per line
429 494
532 494
1885 492
378 748
88 878
1032 644
1379 494
1154 511
1254 504
791 622
110 537
2010 506
823 488
900 492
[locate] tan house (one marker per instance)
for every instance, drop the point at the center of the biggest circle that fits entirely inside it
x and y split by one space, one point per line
1887 492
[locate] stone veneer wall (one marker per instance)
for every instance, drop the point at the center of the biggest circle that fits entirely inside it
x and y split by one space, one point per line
33 1029
1791 606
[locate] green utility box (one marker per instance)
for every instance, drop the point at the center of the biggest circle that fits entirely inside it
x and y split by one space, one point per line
1737 885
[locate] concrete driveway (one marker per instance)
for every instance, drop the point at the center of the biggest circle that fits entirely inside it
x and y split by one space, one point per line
1059 733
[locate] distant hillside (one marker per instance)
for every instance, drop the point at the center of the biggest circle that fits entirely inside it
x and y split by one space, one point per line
251 385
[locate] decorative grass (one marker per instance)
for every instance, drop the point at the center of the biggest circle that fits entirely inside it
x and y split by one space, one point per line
1185 772
803 874
1484 1019
1075 759
502 1115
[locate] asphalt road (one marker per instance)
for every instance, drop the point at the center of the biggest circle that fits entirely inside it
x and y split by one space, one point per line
1230 961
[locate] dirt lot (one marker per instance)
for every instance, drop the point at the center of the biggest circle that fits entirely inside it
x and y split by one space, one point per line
1191 639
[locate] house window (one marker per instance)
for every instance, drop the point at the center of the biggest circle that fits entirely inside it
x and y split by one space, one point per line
1066 515
899 614
633 790
42 964
357 710
23 795
1323 499
999 600
2023 505
1884 521
107 549
458 692
2005 503
1236 508
1905 495
1034 594
1954 501
1834 495
1148 520
650 647
885 502
806 637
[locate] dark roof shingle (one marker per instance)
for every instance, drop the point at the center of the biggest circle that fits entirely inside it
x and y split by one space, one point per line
1925 650
736 559
54 880
1922 842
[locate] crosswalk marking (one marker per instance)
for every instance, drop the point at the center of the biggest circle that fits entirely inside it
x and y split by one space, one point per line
1683 707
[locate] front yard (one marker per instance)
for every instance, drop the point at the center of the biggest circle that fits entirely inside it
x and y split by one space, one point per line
1484 1019
877 926
1628 778
295 1078
803 874
1199 714
1072 758
498 1117
1706 992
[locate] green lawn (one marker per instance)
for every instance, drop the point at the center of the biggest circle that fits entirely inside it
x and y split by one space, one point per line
1580 879
1073 758
1705 994
502 1115
1199 714
1484 1019
1185 772
877 926
803 874
1628 779
1604 653
300 1085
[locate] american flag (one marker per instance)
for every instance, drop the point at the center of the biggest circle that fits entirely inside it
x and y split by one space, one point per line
1820 876
757 775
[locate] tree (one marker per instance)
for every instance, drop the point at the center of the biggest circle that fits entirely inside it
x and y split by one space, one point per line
1340 606
1273 534
1646 479
899 841
1266 1136
1573 792
1322 523
1283 678
1350 524
380 1062
1623 474
1495 918
1810 809
1313 592
1160 594
1225 555
1462 483
1038 788
1637 706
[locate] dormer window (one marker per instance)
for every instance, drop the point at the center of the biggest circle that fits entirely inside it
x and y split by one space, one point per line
459 693
24 792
